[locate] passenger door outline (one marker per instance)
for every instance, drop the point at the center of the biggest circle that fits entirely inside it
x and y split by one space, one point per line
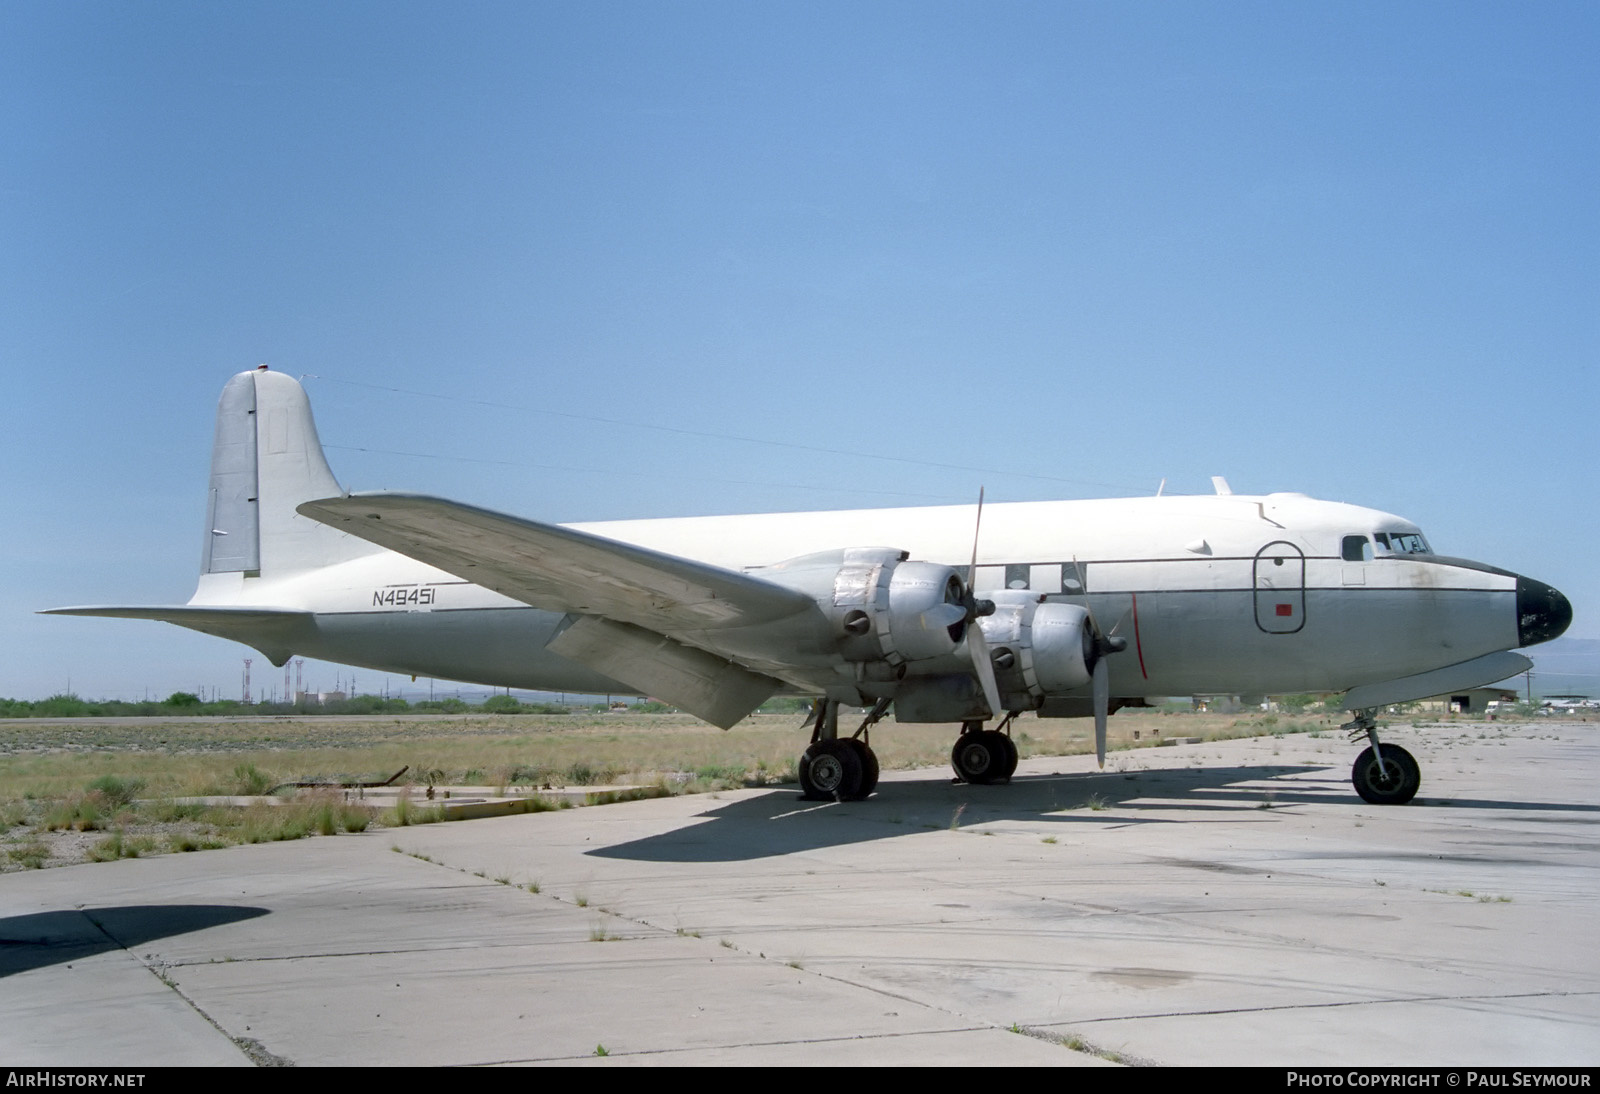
1279 578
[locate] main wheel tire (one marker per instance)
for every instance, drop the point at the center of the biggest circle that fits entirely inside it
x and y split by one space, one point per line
980 757
1396 785
1011 756
869 767
831 771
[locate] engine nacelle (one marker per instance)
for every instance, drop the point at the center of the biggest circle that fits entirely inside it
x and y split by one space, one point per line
881 608
1038 649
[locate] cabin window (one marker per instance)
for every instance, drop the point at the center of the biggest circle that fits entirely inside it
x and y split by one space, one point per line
1072 578
1017 576
1357 549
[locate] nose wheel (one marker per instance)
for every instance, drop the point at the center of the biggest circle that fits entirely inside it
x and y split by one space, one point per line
1383 774
1395 782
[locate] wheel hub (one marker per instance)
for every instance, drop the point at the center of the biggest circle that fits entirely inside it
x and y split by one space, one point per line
827 772
1386 778
975 759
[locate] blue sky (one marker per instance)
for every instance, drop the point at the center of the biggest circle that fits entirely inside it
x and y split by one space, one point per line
1345 249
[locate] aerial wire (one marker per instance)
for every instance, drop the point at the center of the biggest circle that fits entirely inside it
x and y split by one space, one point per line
634 474
711 435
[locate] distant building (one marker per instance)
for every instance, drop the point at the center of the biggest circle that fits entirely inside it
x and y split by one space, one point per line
1471 701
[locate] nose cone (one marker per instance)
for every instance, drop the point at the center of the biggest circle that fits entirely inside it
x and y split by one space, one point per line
1542 612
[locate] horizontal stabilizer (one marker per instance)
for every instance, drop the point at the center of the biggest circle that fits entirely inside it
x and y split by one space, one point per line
560 569
276 632
1476 673
703 684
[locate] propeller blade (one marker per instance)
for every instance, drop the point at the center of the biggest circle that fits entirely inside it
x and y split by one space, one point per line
972 570
943 615
1102 704
983 668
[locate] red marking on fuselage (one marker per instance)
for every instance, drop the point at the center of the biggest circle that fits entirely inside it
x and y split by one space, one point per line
1138 645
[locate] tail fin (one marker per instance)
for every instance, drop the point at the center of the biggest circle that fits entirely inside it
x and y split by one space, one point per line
266 460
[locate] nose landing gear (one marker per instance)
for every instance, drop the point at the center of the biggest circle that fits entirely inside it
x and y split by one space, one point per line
1383 774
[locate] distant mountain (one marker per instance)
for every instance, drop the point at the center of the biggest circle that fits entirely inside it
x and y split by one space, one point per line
1567 666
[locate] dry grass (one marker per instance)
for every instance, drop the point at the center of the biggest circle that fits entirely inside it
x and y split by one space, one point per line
107 787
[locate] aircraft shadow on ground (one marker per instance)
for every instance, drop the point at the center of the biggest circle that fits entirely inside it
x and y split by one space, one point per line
779 823
40 939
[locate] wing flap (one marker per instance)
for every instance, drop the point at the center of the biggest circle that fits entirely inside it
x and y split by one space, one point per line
703 684
559 569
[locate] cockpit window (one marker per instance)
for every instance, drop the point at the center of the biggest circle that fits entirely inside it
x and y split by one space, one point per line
1402 543
1357 549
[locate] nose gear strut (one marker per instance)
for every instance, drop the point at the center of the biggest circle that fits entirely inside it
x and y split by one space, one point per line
1383 774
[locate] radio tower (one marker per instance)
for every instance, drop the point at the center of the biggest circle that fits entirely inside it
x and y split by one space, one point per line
247 661
299 684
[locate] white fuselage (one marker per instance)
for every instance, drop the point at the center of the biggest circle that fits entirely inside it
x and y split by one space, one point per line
1215 594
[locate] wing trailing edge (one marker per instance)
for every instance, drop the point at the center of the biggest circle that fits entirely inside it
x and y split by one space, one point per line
705 685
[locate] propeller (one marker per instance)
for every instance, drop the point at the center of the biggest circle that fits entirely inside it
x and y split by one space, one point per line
977 645
964 611
1102 708
972 568
1103 645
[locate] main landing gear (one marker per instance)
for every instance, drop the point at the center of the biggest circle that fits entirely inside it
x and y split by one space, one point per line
845 769
1383 774
984 756
838 768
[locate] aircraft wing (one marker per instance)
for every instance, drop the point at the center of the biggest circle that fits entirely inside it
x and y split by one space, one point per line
559 569
636 603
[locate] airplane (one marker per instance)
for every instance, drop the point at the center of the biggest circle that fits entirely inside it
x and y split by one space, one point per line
1062 609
